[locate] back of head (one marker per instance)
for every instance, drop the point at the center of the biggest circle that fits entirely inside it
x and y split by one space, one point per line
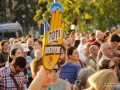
82 77
83 40
19 61
34 65
104 64
98 32
102 78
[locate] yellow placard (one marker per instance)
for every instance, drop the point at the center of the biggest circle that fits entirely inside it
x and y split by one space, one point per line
53 37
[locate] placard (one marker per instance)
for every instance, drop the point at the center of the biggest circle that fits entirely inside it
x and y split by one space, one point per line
53 36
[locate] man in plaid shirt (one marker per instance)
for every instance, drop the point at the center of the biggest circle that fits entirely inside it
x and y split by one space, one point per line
15 69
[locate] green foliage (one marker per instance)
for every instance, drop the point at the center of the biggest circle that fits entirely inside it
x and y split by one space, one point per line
99 14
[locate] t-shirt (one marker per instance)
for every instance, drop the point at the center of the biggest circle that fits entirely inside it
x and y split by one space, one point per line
69 72
96 43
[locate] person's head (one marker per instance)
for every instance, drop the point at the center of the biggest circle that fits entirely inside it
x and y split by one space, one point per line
38 53
62 55
83 40
114 40
83 75
72 35
65 43
4 45
103 80
30 42
18 65
72 53
35 66
108 64
106 49
38 44
15 53
11 40
56 71
99 35
92 36
117 51
77 36
69 40
94 50
86 49
25 48
18 45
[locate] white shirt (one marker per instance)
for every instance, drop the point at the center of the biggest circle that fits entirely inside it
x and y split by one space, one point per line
80 49
82 57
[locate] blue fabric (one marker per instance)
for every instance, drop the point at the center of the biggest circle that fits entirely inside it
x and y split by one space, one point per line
50 88
46 26
32 54
28 59
69 72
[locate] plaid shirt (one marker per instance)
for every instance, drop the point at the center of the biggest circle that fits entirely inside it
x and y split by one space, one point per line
6 82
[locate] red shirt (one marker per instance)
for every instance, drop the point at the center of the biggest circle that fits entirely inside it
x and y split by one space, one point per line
96 43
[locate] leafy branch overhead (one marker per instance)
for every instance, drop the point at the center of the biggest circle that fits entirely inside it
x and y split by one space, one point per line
98 14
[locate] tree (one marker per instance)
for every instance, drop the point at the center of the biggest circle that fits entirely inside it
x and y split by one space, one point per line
85 13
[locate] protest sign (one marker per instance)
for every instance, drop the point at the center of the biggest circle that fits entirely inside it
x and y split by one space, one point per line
53 36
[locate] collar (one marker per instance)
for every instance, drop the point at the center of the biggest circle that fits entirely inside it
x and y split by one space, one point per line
103 56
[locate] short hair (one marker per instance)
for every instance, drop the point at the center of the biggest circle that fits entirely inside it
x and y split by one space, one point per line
87 45
70 50
16 45
103 46
92 34
83 75
99 79
104 64
34 65
3 42
19 61
98 31
114 38
83 39
39 42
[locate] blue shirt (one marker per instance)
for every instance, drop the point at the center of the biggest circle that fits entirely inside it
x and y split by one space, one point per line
69 71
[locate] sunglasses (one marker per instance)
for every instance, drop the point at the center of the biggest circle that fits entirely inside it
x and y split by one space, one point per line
113 67
17 71
55 70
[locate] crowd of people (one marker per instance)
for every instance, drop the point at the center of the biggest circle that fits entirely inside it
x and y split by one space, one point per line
86 62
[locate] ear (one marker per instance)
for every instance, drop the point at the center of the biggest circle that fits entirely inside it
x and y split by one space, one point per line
33 76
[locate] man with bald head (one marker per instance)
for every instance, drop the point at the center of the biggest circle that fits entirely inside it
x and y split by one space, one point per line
99 38
92 59
30 42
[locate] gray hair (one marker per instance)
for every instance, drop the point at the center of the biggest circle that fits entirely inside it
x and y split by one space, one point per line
98 31
83 40
103 46
82 77
16 45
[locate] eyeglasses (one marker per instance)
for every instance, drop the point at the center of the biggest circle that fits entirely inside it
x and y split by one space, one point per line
55 70
113 67
17 71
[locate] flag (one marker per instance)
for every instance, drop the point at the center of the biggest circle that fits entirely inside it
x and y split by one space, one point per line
46 25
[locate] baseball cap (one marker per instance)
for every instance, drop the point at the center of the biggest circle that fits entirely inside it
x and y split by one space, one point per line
25 47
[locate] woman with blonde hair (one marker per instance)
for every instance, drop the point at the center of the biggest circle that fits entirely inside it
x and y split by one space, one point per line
82 83
103 80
